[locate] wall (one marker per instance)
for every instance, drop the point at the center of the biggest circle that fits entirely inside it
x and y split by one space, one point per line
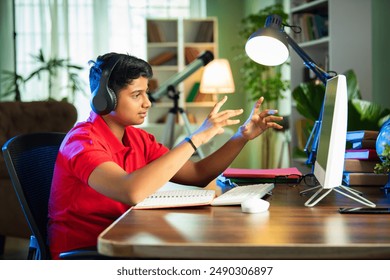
381 58
353 51
6 38
229 25
230 14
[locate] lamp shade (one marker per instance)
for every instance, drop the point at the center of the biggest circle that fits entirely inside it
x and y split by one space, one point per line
217 78
268 46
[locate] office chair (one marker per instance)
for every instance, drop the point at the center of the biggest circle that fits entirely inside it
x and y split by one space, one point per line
30 160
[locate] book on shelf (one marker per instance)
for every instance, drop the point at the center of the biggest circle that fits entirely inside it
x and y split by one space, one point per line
193 92
363 154
357 165
364 144
359 135
321 26
162 58
360 178
313 26
203 97
191 54
154 33
205 32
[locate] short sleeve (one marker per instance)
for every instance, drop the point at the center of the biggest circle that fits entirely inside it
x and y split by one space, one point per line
82 155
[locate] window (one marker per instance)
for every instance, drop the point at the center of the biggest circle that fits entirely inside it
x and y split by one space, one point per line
83 29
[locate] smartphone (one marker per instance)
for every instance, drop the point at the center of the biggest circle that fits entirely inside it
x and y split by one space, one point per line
365 210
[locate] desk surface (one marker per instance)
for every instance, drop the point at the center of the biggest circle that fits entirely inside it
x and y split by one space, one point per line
289 230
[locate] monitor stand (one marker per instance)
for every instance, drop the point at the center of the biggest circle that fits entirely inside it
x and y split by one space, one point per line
346 191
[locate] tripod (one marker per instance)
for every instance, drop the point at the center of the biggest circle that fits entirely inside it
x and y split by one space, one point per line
168 137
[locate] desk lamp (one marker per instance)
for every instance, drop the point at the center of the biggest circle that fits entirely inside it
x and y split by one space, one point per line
269 46
217 78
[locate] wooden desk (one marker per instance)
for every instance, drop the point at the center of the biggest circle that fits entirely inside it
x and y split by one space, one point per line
289 230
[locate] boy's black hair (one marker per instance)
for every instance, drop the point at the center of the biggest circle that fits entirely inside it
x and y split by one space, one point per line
125 71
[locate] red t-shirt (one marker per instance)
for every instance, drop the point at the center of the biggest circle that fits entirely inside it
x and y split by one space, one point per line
78 213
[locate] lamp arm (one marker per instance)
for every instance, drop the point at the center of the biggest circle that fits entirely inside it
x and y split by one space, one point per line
308 61
323 76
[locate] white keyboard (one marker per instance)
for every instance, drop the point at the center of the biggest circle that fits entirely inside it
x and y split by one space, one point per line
240 193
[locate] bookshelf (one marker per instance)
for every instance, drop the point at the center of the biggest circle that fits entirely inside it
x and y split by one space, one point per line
346 44
315 43
172 44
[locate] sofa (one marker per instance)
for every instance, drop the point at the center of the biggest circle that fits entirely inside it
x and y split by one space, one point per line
19 118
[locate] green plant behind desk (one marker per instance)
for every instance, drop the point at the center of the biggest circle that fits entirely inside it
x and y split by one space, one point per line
46 66
362 114
259 80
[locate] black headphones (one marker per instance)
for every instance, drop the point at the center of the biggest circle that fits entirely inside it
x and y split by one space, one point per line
104 99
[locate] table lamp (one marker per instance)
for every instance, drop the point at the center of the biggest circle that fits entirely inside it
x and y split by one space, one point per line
217 78
269 46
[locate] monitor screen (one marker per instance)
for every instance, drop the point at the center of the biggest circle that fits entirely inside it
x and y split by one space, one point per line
329 164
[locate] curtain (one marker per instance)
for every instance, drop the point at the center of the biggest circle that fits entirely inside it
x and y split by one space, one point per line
80 30
7 42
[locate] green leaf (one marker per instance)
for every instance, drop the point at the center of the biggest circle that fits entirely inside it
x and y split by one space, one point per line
309 98
364 114
51 67
260 80
352 85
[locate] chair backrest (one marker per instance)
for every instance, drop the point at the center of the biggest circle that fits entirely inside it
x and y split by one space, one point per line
30 160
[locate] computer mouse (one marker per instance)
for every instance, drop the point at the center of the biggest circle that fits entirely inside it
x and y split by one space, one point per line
254 205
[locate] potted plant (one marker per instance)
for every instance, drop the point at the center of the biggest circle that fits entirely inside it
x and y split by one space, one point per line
383 151
362 114
384 166
260 80
50 66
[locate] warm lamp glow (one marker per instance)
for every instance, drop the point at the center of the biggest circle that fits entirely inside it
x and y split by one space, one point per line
268 45
266 50
217 78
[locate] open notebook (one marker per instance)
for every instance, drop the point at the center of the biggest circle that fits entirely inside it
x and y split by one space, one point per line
177 198
200 197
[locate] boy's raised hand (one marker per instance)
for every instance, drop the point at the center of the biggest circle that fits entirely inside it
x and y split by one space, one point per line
216 121
259 121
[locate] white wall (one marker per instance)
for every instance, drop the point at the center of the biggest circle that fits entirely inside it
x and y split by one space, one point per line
352 49
6 38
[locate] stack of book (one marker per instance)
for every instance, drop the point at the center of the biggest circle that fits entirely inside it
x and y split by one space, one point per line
361 158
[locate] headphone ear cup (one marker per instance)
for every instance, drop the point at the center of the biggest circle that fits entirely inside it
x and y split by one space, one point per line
104 99
112 100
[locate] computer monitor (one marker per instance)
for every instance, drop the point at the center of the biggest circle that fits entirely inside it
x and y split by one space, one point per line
329 164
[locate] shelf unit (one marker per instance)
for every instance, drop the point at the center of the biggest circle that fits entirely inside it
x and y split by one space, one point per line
175 42
315 43
347 45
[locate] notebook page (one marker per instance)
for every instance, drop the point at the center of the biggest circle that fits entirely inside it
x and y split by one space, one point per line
177 198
